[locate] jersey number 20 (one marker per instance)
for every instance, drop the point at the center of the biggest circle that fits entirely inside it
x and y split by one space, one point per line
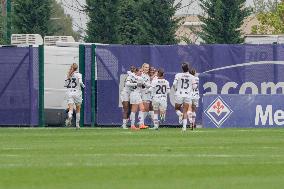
161 89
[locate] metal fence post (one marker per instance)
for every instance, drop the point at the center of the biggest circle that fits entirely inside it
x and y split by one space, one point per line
82 71
93 87
41 87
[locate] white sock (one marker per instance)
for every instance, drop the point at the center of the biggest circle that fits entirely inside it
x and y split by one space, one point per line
178 112
141 118
145 115
163 115
193 117
132 118
70 114
184 123
189 116
152 115
77 119
125 121
156 121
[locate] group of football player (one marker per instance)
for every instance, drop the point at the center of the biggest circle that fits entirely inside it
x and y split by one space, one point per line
145 89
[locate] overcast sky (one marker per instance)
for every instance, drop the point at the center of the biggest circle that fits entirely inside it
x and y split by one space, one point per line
72 7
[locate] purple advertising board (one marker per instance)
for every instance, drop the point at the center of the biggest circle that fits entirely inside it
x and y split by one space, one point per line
222 69
19 86
253 111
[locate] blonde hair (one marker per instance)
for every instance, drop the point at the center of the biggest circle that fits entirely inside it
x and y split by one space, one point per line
72 69
145 64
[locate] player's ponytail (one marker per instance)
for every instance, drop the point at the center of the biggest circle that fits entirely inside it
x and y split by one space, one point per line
72 69
185 67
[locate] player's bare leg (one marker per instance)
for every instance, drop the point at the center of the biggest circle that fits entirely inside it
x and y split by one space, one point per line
156 120
134 108
141 116
146 105
78 109
162 115
193 116
151 111
189 115
68 121
125 106
179 113
184 121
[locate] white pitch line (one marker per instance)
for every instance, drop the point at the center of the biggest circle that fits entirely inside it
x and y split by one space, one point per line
179 155
153 155
10 155
11 148
119 164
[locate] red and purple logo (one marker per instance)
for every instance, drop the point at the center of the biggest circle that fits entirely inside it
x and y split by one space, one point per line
218 111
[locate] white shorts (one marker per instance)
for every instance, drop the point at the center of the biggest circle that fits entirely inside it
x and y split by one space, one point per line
135 98
125 96
159 104
74 97
181 100
146 96
195 102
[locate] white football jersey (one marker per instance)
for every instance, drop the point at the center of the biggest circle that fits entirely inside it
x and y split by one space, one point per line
160 88
74 82
195 90
183 84
127 88
134 83
154 78
146 80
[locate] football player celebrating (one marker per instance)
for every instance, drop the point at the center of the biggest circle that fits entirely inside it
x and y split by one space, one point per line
195 98
153 73
153 76
183 86
73 83
135 83
159 88
125 98
146 95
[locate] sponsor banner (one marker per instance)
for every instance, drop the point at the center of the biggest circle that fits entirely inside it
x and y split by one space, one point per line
223 111
222 69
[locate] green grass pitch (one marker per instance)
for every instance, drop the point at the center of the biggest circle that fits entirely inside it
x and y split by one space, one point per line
46 158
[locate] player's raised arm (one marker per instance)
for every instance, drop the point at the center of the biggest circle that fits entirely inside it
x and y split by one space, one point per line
81 81
168 87
152 86
66 82
194 81
194 84
129 73
175 81
130 82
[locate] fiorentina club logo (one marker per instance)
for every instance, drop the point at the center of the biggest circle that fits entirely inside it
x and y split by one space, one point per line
218 111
